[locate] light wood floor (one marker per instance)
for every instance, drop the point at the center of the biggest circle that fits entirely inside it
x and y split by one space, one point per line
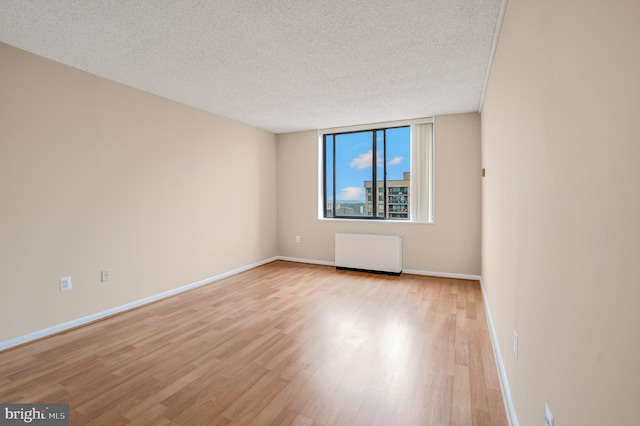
281 344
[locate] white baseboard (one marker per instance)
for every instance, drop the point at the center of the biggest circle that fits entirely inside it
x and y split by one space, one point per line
311 261
442 274
504 382
406 271
119 309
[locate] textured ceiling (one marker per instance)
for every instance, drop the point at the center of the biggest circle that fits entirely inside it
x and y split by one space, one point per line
282 65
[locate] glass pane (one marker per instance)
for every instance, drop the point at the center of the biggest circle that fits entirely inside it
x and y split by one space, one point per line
380 170
398 171
353 169
328 176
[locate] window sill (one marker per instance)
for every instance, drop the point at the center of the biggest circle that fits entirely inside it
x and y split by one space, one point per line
407 222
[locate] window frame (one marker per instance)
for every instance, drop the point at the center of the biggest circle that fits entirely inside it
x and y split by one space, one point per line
422 171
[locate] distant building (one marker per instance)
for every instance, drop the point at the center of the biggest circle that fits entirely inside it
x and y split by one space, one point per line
346 208
394 199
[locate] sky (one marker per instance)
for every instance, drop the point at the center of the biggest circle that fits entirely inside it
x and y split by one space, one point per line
354 165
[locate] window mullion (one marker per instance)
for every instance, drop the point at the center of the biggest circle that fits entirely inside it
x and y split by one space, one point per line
374 178
333 189
385 213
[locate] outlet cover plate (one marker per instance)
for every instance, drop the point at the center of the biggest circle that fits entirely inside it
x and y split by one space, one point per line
65 284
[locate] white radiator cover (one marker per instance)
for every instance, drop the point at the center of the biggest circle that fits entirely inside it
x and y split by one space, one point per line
369 252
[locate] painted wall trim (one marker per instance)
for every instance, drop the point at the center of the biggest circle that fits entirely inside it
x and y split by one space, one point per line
7 344
406 271
494 47
502 373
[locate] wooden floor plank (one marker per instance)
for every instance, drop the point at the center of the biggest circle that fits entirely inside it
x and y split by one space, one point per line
282 344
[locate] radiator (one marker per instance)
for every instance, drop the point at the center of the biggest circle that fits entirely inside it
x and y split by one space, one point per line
369 252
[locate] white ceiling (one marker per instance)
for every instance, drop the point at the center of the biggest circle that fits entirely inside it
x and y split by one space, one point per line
282 65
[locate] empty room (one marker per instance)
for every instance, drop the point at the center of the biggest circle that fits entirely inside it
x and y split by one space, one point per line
319 212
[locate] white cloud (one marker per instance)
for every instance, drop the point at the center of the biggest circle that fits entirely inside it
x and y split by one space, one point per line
362 161
395 161
351 193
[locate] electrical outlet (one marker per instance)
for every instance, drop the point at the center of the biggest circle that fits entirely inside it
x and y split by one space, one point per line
105 276
548 416
297 238
65 284
515 344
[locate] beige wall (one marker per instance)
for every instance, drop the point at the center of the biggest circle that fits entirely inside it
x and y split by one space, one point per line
451 245
561 208
97 175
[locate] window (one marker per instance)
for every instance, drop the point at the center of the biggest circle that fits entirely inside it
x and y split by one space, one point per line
395 158
399 190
